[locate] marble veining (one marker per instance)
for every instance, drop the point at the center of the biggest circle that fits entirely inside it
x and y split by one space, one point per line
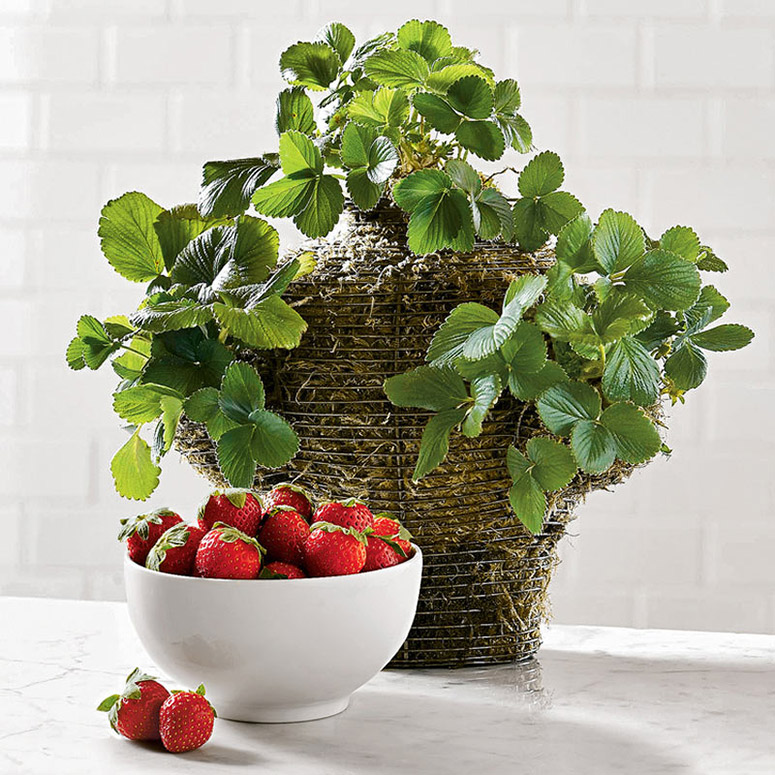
599 700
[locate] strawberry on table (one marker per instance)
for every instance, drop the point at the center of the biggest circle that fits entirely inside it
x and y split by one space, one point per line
175 550
135 712
283 534
282 570
228 553
238 508
186 721
143 531
292 495
348 513
333 550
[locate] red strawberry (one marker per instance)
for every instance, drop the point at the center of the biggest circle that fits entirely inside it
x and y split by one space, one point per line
186 721
228 553
174 552
143 531
385 525
283 534
350 513
388 543
332 550
135 712
280 570
238 508
289 495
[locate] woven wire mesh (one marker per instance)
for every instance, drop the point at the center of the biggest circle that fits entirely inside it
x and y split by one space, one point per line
371 309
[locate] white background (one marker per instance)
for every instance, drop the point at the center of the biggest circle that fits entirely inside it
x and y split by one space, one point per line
665 108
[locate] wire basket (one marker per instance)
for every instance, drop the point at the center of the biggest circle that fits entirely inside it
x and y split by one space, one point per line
372 308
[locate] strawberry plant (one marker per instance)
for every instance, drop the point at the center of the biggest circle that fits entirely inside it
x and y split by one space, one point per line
621 320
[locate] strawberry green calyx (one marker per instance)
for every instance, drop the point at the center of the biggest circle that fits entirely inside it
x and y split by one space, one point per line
394 545
328 527
350 502
229 535
140 524
175 536
111 704
293 488
281 507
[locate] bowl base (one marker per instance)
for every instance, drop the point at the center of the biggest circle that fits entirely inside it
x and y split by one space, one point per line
281 714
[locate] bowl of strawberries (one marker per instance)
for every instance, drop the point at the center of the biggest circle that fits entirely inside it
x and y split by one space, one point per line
282 607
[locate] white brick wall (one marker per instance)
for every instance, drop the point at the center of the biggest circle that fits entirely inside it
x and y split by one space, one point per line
665 108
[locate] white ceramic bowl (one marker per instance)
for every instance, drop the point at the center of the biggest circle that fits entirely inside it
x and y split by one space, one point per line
274 650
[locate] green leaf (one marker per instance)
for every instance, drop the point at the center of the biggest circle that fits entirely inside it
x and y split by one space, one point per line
384 108
561 320
128 238
203 407
235 456
635 436
471 96
573 244
620 314
322 211
186 360
710 306
708 261
528 386
285 197
663 280
729 336
242 392
397 68
687 366
682 241
134 473
522 293
445 71
663 327
492 215
485 391
553 464
528 224
95 347
294 112
171 409
269 324
427 387
340 38
525 350
542 175
464 176
383 158
528 502
141 403
436 111
371 160
593 446
413 189
172 315
313 65
274 442
449 341
434 444
507 97
74 354
516 131
618 241
437 220
299 154
482 138
558 208
429 39
564 404
175 228
631 374
227 186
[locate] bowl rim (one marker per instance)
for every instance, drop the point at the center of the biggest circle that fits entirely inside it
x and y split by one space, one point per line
308 580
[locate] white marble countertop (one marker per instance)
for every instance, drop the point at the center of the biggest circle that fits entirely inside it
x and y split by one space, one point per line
602 700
